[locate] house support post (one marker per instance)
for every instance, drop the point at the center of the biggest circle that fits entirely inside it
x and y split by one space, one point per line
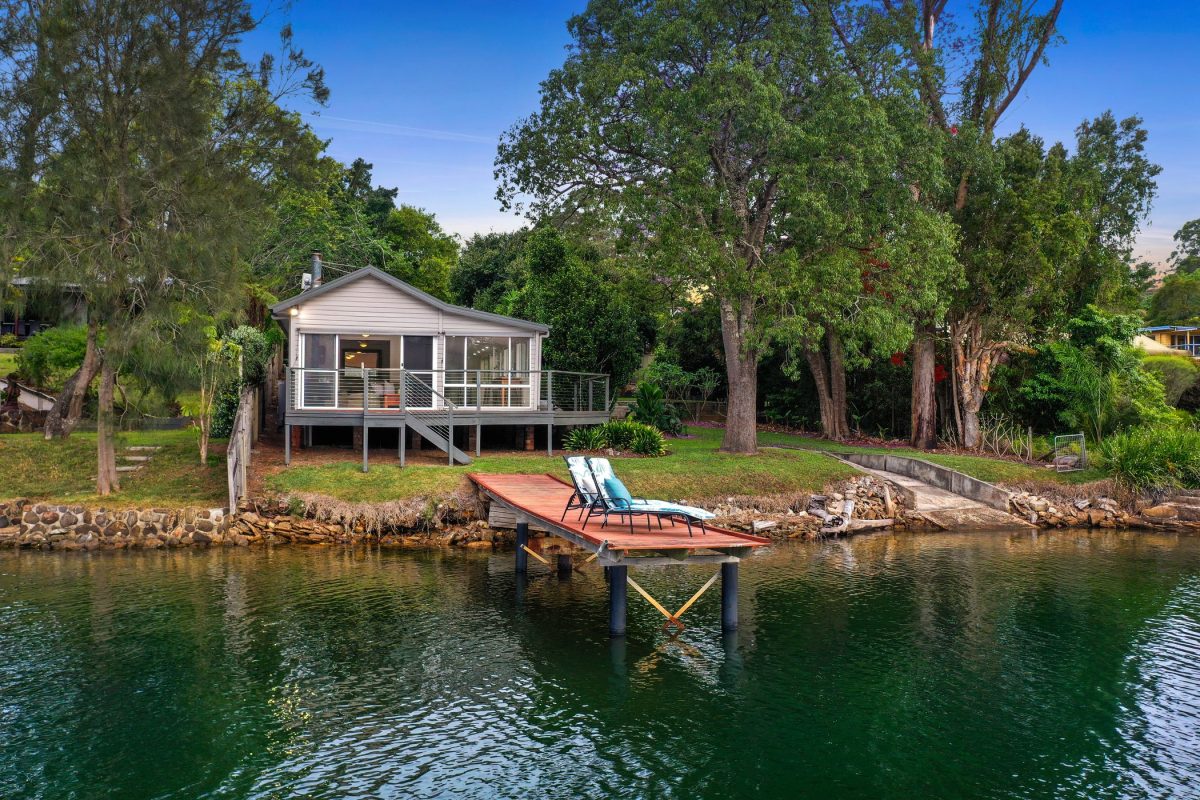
729 588
529 437
564 565
365 436
522 543
618 592
549 438
287 445
478 438
403 432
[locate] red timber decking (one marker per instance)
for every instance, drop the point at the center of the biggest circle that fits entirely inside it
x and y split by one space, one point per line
543 498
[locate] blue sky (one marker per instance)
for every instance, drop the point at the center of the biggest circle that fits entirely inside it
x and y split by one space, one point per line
423 90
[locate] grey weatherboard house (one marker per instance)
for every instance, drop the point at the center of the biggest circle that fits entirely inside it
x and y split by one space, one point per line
367 351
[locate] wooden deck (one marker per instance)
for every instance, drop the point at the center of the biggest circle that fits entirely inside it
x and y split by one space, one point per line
543 498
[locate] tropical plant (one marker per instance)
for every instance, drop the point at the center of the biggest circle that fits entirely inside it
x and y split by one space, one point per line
649 407
620 435
587 438
1157 457
648 441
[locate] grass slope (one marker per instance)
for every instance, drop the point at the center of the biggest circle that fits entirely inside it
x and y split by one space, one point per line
65 471
992 470
693 470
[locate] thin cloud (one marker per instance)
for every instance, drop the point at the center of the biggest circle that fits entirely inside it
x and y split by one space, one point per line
369 126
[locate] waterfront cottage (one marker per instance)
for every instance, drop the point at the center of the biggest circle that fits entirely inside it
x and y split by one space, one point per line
371 357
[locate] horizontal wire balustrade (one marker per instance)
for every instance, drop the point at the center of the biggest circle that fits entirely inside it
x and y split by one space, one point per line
382 390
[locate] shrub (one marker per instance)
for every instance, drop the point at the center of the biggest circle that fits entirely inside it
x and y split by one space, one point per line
1176 373
634 437
10 340
648 441
590 438
50 357
1154 458
650 408
618 434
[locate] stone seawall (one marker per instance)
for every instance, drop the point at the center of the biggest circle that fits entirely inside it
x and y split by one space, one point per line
49 526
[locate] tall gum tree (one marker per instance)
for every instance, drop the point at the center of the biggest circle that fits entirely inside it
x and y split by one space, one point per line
966 87
732 140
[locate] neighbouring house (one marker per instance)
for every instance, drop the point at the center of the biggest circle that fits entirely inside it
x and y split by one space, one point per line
374 363
1181 339
42 307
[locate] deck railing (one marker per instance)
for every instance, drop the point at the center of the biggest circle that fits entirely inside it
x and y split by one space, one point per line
383 390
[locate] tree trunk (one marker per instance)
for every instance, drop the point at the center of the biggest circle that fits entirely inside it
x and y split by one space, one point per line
924 398
107 481
741 369
973 362
830 379
68 407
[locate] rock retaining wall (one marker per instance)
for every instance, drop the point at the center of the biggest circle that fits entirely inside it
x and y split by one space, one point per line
50 526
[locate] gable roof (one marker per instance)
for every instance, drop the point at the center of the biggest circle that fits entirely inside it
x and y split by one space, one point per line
391 280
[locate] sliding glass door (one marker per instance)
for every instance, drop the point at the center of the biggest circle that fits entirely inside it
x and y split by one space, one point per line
416 357
488 371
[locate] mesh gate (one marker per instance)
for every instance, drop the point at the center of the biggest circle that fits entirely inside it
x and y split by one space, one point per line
1070 452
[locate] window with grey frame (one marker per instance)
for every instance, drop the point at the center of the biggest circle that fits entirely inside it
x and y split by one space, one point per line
488 371
319 384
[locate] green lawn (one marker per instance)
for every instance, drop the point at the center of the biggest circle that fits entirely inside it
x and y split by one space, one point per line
694 470
993 470
65 471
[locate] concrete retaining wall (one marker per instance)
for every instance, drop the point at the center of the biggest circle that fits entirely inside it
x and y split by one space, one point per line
935 475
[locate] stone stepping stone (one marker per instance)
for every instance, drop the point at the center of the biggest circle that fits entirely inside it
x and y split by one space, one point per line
129 468
144 447
135 458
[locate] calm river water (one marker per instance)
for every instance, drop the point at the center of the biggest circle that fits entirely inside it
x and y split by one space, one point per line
999 665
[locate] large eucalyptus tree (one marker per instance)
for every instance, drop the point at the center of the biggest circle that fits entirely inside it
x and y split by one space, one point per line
733 140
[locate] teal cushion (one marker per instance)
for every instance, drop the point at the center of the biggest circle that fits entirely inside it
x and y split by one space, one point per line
617 492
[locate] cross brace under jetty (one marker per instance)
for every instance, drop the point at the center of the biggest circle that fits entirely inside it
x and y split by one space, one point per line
540 499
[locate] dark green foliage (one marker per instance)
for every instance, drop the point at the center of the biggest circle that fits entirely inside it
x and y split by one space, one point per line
1158 457
1177 374
1185 258
620 435
426 253
256 352
648 441
489 267
593 327
224 412
589 438
1177 301
48 358
650 408
1093 381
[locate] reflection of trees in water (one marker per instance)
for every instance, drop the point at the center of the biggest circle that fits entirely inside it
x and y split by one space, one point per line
889 664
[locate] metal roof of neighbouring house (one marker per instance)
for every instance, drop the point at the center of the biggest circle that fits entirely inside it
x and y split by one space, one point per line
374 272
1160 328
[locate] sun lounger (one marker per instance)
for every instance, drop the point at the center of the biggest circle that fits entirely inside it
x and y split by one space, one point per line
614 499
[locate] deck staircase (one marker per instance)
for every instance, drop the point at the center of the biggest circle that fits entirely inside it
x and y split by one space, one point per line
435 424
